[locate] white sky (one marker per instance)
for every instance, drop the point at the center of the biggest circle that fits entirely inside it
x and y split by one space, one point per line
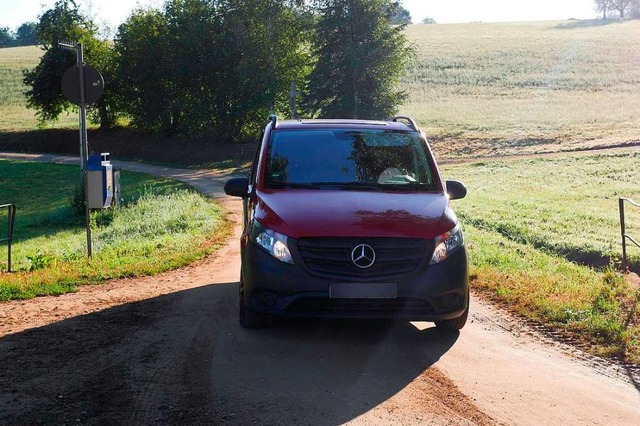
113 12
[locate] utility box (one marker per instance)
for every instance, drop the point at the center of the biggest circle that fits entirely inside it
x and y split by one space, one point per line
99 181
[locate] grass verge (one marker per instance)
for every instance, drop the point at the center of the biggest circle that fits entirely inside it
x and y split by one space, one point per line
543 234
163 225
597 307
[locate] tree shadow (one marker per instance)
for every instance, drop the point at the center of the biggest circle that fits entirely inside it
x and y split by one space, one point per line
585 23
182 358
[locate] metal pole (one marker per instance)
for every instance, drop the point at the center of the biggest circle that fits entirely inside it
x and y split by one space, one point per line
84 147
623 232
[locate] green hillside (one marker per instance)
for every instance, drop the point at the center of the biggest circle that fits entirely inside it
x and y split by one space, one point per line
507 87
14 114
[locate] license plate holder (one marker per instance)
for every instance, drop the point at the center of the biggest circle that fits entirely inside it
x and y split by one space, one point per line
363 291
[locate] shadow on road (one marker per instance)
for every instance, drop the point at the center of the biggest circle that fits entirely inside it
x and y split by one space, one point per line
183 358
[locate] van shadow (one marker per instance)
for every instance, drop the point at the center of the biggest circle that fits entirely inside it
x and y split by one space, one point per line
182 358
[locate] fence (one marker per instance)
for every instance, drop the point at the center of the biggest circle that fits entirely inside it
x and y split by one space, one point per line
11 209
623 231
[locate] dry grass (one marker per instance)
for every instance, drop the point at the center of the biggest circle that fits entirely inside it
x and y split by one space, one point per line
498 88
13 105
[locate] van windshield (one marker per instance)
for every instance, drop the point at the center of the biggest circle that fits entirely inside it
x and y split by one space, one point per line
349 159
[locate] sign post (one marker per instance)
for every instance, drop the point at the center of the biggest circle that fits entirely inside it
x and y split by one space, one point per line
82 85
293 94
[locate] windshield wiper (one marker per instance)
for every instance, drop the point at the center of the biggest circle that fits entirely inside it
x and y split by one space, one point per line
409 186
282 185
350 185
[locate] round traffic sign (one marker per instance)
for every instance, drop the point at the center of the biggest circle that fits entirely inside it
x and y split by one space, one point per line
93 85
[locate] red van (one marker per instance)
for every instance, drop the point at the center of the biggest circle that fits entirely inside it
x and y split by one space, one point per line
350 219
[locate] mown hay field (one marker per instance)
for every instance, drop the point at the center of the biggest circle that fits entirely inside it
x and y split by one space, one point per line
14 114
508 88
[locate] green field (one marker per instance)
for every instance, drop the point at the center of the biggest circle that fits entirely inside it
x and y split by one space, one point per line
531 225
162 225
508 88
566 206
13 105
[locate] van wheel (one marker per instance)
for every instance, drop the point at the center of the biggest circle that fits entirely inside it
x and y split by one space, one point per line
455 323
247 316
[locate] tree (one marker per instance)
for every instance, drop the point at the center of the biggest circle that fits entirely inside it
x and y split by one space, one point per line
400 15
602 6
65 22
6 38
622 6
26 34
213 68
360 57
428 21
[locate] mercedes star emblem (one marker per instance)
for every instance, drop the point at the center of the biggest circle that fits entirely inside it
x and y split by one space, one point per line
363 256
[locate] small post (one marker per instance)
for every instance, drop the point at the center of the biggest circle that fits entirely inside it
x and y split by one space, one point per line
12 221
11 212
623 232
293 94
84 146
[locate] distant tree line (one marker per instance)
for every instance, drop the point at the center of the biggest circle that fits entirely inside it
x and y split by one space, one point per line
217 68
618 8
25 35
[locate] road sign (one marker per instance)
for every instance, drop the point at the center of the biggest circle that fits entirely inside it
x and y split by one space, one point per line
93 85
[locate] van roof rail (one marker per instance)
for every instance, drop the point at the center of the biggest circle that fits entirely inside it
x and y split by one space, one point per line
412 124
274 121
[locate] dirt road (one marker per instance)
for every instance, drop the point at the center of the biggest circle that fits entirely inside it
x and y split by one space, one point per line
168 350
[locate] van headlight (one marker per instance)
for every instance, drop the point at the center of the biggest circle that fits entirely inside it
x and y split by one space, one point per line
446 244
271 241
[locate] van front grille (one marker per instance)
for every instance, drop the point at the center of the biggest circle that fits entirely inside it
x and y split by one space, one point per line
331 257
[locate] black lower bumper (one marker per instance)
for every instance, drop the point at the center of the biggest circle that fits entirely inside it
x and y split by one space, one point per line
431 293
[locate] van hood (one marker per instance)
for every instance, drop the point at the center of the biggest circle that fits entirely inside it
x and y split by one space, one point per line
301 213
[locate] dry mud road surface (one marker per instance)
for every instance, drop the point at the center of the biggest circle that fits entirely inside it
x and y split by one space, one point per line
168 350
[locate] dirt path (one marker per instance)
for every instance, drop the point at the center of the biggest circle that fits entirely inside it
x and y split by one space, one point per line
168 350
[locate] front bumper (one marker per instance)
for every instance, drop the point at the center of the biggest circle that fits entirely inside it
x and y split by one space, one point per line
431 293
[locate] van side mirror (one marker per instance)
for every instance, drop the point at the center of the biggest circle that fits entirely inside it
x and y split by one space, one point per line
237 187
456 190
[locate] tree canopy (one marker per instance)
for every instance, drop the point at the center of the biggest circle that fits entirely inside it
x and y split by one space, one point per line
25 35
63 22
217 68
359 59
400 15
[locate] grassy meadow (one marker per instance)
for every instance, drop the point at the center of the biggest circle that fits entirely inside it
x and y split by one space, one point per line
161 226
13 105
507 88
544 237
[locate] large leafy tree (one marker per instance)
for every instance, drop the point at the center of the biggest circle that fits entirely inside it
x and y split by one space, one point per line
400 15
202 67
360 57
6 38
26 34
65 22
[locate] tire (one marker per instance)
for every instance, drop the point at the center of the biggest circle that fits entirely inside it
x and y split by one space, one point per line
455 323
247 316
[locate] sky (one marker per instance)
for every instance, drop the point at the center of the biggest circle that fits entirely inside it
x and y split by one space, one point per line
113 12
